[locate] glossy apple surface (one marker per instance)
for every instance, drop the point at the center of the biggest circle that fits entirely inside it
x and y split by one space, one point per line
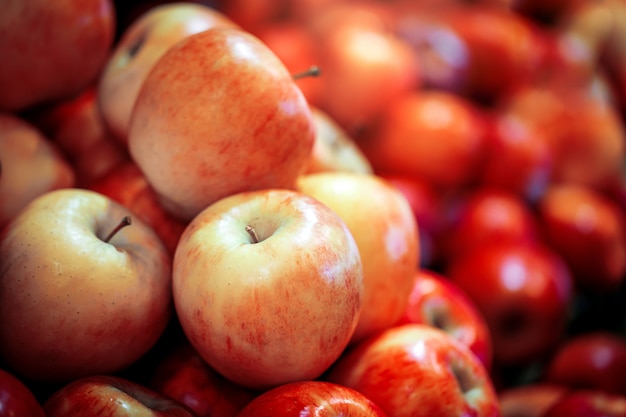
70 297
324 399
17 399
104 395
417 370
383 225
219 114
268 286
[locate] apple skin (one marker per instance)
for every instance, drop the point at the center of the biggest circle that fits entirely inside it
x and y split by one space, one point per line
31 166
219 114
16 398
439 302
530 400
298 399
588 403
143 42
386 233
588 230
106 395
279 310
524 291
593 360
417 370
59 279
44 68
184 376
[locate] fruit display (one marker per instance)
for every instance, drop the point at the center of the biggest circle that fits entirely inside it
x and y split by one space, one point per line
357 208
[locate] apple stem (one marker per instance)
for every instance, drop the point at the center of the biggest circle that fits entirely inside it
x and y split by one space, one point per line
313 71
126 221
252 233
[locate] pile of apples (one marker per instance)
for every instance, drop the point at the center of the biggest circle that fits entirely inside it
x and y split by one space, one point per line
313 207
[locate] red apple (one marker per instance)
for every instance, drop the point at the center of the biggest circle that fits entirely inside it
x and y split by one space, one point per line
142 43
268 287
16 398
105 395
439 302
383 225
30 166
184 376
219 114
79 295
40 68
593 360
529 400
417 370
588 404
297 399
588 230
524 291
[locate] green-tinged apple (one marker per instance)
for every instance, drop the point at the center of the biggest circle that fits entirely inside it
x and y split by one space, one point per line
268 286
416 370
51 50
334 149
219 114
30 166
384 227
80 293
142 44
105 395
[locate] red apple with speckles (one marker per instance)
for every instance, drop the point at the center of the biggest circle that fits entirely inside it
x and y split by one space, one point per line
16 398
299 399
105 395
437 301
417 370
219 114
268 286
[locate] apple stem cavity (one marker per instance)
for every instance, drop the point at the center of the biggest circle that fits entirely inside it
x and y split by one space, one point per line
313 71
126 221
252 233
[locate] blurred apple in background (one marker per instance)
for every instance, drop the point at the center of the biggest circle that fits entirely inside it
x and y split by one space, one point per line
588 230
105 395
588 403
30 166
299 399
268 287
184 376
147 38
41 68
219 114
417 370
524 290
79 296
16 398
383 225
437 301
530 400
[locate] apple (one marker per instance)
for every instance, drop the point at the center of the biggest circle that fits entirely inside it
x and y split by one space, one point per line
586 403
588 230
41 68
386 233
524 290
16 398
107 395
184 376
417 370
143 42
530 400
219 114
297 399
30 166
268 286
80 293
334 149
592 360
437 301
128 186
